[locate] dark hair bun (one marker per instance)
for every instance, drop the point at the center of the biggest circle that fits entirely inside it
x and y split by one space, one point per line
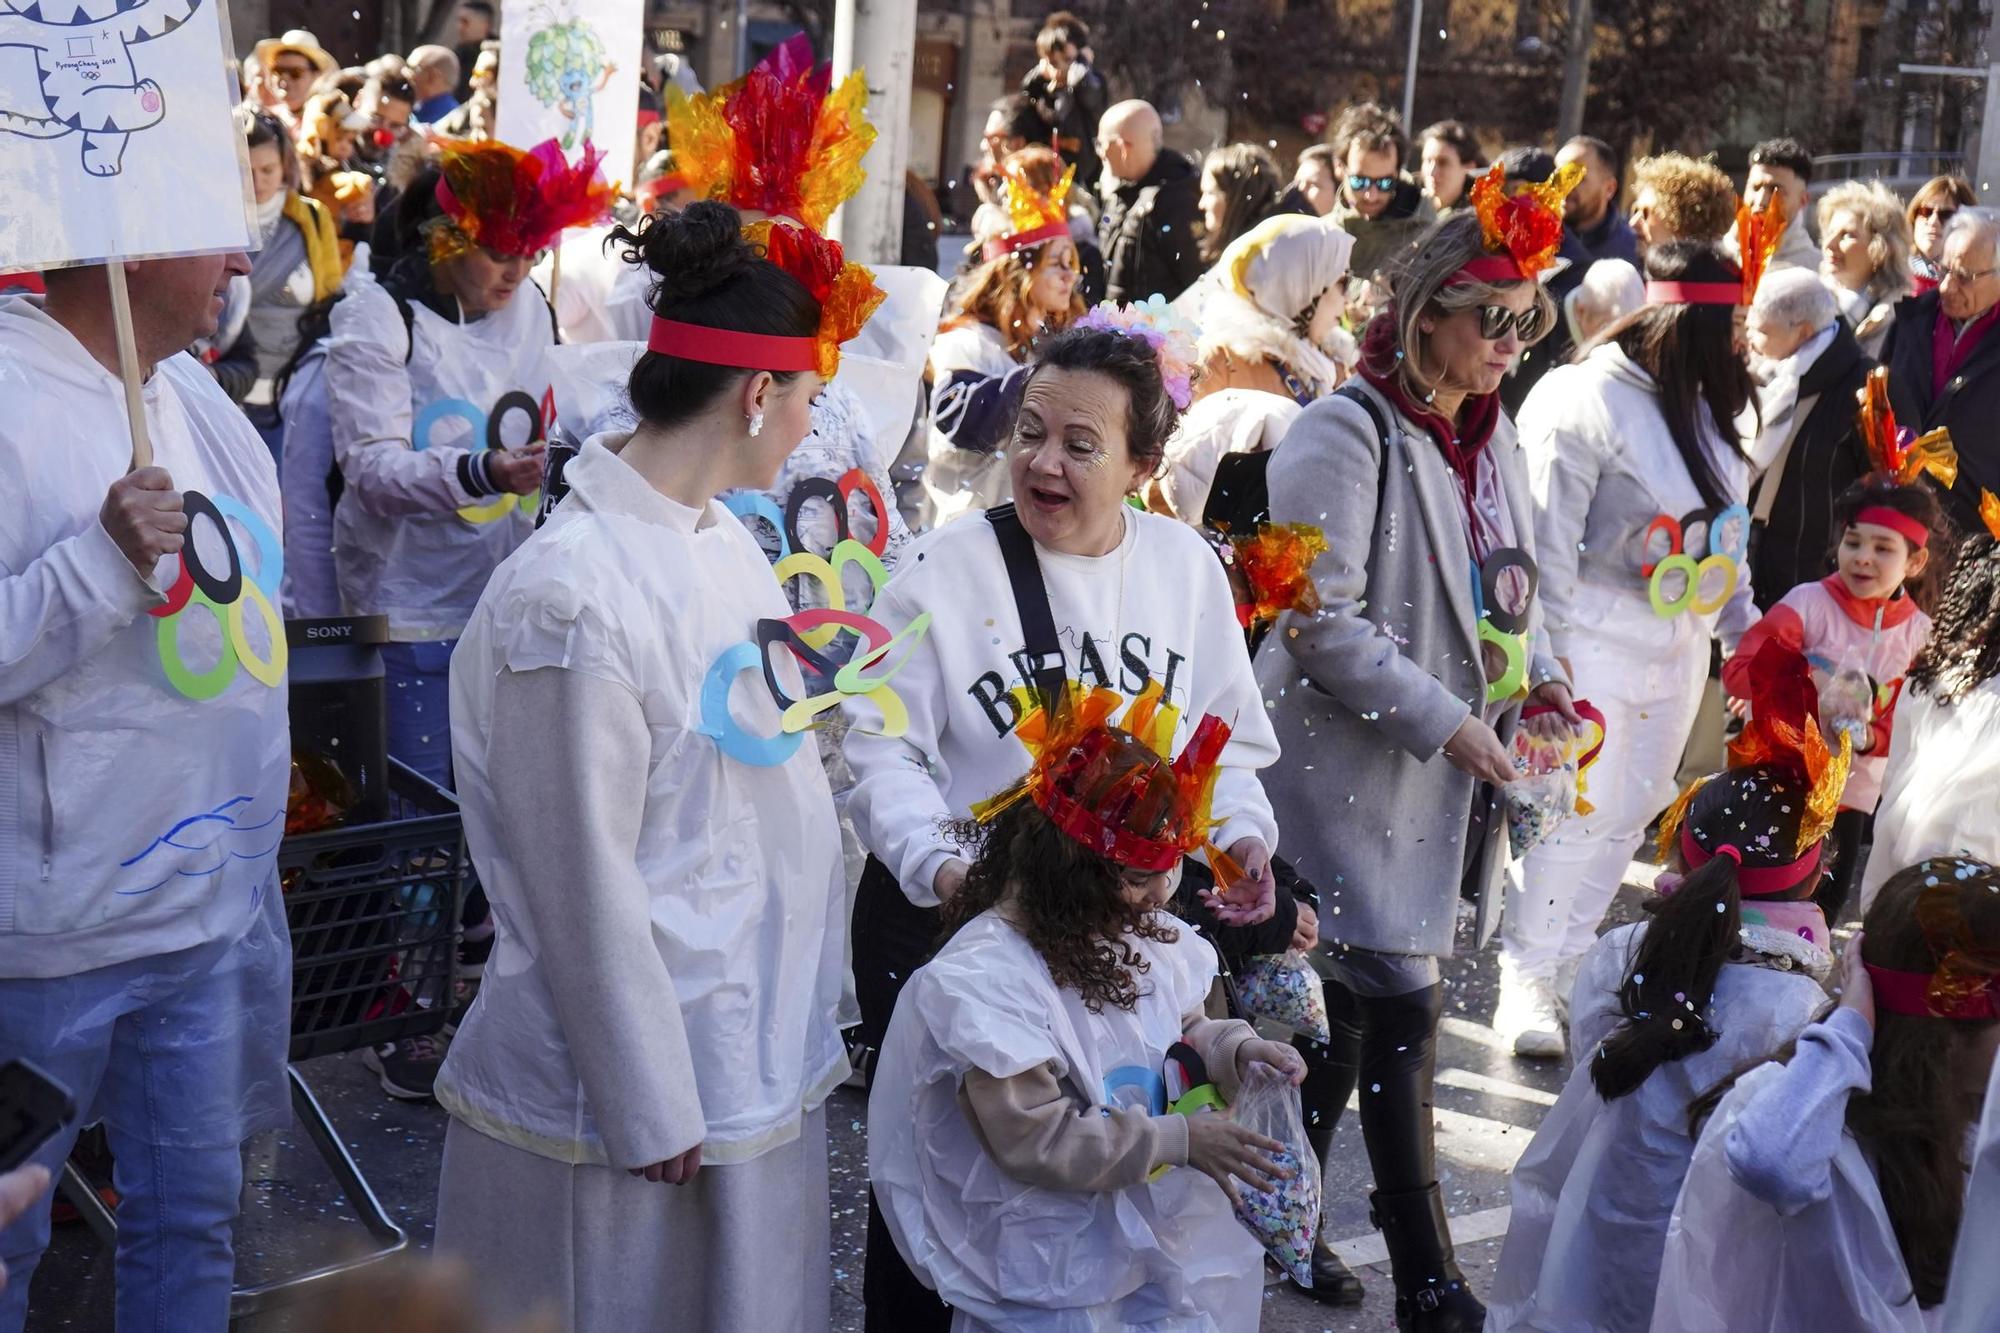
691 253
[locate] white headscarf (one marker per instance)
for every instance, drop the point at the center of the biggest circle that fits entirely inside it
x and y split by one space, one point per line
1268 277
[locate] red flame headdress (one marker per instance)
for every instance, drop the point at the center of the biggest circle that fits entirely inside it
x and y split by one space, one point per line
1032 217
501 198
1524 229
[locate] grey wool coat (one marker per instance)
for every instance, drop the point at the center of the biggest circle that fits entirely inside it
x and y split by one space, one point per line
1365 691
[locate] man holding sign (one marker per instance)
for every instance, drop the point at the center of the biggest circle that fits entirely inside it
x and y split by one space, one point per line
144 962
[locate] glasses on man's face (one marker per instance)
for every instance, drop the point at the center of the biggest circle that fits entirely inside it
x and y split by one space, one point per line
1961 277
290 73
1496 320
1933 213
1380 184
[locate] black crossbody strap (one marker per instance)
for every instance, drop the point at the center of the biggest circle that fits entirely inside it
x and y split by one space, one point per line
1031 598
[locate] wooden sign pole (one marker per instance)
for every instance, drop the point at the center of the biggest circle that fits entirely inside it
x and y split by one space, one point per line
128 366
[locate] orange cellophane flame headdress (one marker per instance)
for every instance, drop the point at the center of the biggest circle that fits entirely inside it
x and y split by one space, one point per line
516 202
846 292
1523 230
1276 563
1109 784
1989 512
1758 235
1032 217
781 140
1783 734
1896 452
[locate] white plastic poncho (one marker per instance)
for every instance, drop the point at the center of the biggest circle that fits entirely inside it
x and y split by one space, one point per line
1972 1298
1167 1257
145 756
741 863
1805 1243
1234 421
1593 1193
411 542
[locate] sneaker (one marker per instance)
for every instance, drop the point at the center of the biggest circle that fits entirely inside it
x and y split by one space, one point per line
1526 1017
407 1069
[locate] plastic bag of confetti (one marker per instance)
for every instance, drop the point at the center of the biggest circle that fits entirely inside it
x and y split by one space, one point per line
1285 1219
1284 988
1543 797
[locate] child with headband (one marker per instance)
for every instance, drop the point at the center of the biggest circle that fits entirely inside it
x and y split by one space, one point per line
1860 628
1724 975
1020 1136
1827 1191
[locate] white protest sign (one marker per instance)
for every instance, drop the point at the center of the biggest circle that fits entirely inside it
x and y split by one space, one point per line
569 71
116 138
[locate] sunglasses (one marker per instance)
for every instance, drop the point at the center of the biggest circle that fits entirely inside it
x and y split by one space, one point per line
1496 320
1385 184
1943 215
291 73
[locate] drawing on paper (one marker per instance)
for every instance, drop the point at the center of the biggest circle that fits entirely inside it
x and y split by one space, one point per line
86 81
567 69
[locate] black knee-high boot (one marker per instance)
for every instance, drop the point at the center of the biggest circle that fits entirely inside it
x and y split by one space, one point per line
1398 1061
1331 1068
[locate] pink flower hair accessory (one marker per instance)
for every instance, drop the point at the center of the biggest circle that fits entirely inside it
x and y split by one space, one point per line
1172 338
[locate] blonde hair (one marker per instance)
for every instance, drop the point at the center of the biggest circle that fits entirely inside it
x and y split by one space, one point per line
1880 214
1420 287
997 295
1696 201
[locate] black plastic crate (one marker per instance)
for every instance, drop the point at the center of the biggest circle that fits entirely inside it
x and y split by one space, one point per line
374 917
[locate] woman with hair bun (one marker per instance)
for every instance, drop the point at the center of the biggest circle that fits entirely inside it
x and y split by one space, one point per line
637 1095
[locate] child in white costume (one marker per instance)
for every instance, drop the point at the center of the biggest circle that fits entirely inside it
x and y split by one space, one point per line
1827 1192
1019 1138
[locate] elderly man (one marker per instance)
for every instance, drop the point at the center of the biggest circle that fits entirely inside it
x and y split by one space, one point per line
1591 211
433 74
1781 168
144 960
1809 451
1379 206
1151 202
1944 358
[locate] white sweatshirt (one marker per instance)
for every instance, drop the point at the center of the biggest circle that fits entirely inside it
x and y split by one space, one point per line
1156 608
136 818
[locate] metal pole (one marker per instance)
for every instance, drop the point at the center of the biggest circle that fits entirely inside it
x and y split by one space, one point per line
878 37
1986 179
1576 71
1410 69
742 38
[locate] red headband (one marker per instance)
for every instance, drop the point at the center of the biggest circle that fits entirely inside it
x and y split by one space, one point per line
1128 849
1755 881
1896 520
662 186
1908 993
1694 293
1022 240
1488 268
725 347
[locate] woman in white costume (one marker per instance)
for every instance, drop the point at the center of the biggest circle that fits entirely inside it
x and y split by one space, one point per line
1722 977
1021 1138
1636 461
638 1134
1827 1192
1271 345
435 390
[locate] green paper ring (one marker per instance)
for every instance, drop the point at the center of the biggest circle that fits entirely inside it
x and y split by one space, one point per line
197 685
1662 608
1514 647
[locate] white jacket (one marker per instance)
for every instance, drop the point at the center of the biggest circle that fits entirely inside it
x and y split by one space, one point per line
1234 421
1156 608
1939 787
716 1024
137 820
1603 467
411 542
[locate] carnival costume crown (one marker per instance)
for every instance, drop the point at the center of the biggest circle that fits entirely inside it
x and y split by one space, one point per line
1758 235
1965 984
498 197
1154 323
781 140
1145 815
1523 230
1780 745
1032 217
1989 512
1898 452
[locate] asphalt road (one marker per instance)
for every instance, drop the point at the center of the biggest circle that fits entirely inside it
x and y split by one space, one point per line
1488 1106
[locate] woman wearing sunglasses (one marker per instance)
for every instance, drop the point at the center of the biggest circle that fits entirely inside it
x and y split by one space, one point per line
1931 211
1394 703
1636 454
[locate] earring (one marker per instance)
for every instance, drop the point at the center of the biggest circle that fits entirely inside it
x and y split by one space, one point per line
756 424
1430 328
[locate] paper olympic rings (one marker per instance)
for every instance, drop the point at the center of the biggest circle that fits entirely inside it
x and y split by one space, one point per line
748 505
227 595
487 434
1503 588
804 634
1694 563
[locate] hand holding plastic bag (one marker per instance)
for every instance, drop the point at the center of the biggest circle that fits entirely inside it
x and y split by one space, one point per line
1283 988
1543 796
1281 1210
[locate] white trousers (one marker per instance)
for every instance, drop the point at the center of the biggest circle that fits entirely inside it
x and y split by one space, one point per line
1558 896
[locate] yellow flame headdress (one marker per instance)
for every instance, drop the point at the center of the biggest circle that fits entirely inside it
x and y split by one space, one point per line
1032 217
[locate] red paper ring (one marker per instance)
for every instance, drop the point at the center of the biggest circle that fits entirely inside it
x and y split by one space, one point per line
177 596
854 479
1672 526
1592 713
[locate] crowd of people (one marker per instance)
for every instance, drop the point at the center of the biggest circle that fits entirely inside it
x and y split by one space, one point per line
1310 510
